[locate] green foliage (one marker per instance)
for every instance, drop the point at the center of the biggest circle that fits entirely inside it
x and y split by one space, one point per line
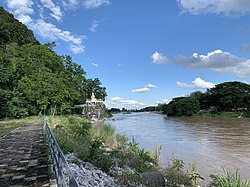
107 114
74 134
107 134
229 95
222 100
13 31
230 180
217 114
94 86
175 174
34 79
183 106
131 155
246 114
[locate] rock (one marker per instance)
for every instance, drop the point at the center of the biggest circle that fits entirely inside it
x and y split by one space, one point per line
153 179
88 175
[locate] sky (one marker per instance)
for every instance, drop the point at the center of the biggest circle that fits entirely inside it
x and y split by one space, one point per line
146 52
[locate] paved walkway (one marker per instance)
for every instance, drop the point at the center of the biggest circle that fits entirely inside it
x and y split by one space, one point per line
23 157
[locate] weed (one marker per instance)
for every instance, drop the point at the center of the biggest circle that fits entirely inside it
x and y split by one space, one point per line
229 180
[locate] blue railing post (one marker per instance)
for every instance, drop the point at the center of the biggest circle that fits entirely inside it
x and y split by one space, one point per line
59 162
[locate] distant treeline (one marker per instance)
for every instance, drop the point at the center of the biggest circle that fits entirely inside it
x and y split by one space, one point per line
224 97
34 79
227 96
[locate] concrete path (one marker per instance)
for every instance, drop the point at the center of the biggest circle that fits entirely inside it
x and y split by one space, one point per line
23 157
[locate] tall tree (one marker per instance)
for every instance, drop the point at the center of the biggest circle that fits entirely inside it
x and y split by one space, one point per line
229 95
94 86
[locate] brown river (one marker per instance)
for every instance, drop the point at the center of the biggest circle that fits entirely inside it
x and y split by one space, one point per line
214 144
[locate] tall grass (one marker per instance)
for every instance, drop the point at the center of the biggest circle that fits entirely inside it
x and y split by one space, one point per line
229 180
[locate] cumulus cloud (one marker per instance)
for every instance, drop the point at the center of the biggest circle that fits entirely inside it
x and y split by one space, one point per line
118 102
50 31
23 10
216 60
55 10
224 7
158 58
145 89
198 83
90 4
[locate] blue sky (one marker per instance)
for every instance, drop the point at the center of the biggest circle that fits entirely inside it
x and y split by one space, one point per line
146 52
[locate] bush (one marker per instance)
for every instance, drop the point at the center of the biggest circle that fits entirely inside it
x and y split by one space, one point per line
129 153
176 175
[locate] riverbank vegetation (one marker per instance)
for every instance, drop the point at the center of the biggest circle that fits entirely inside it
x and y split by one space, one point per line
228 99
98 144
225 99
34 79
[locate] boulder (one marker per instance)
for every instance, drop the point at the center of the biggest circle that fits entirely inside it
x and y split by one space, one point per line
153 179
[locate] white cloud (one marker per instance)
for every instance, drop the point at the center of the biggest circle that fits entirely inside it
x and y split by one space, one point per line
198 83
77 49
25 9
70 4
224 7
50 31
22 9
94 64
145 89
94 26
163 101
141 90
56 10
118 102
151 86
158 58
90 4
216 60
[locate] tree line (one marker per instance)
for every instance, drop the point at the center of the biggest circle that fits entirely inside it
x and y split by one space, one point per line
35 79
227 96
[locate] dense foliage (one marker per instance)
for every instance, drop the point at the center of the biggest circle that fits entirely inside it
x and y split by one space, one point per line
75 134
34 79
227 96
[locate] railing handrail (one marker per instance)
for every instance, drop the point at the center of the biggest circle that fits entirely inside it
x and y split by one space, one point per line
60 165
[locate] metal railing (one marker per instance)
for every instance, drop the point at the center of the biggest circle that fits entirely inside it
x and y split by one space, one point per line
61 170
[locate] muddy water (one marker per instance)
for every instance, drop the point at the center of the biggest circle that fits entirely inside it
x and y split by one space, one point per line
214 144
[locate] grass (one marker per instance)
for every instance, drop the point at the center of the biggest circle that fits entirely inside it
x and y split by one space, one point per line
98 145
229 180
8 125
217 114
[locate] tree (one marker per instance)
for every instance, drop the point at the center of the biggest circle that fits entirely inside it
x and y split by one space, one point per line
13 31
182 106
33 78
229 95
94 86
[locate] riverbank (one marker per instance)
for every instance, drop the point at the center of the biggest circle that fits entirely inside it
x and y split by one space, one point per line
214 144
98 145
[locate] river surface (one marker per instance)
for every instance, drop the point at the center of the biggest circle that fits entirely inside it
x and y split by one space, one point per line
214 144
